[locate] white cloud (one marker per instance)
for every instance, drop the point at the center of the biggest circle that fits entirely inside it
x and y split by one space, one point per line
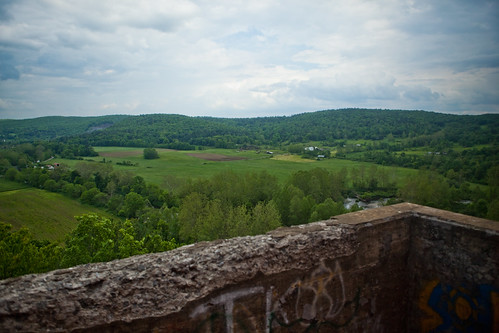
239 58
109 106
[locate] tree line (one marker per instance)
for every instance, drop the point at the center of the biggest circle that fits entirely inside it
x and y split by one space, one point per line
469 165
21 156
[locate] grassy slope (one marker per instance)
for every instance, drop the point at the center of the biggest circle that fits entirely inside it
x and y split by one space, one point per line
48 215
10 186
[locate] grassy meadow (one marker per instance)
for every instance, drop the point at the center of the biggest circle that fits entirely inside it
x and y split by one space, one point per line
48 215
174 166
6 185
51 216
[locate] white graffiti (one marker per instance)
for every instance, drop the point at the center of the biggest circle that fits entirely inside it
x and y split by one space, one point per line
227 300
318 297
324 305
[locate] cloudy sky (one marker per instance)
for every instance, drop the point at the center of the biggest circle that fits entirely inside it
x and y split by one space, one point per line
231 58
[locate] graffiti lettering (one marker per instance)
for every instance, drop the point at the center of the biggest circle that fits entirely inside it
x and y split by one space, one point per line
317 300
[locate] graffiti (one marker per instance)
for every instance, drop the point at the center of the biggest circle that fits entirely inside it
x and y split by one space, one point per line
227 302
314 324
318 300
450 309
323 304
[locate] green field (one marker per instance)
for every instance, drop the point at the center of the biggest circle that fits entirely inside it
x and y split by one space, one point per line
51 216
48 215
173 166
6 185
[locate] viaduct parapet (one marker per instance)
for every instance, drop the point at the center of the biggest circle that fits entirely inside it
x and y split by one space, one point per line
401 268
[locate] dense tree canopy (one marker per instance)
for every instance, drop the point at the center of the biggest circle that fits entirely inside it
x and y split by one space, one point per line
46 128
182 132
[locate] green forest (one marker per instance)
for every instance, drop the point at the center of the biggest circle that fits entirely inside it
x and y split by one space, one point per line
453 164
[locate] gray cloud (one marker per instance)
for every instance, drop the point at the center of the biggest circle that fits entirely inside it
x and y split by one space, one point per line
420 93
350 92
7 67
246 58
5 10
475 62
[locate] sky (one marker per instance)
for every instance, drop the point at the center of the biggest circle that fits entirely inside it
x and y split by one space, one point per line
232 58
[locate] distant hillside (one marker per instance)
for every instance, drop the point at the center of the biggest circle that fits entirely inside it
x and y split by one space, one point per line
182 132
48 128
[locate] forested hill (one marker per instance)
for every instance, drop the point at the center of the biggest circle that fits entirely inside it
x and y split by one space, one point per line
47 128
183 132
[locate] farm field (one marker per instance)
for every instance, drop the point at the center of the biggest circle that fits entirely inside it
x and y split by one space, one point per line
174 166
48 215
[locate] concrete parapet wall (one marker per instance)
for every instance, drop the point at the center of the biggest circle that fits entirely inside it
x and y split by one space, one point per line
401 268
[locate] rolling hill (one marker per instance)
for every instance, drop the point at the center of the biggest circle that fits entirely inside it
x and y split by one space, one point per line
183 132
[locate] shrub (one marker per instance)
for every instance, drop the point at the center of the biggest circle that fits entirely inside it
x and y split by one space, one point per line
150 153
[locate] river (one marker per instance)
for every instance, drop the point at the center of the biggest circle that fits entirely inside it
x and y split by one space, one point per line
349 202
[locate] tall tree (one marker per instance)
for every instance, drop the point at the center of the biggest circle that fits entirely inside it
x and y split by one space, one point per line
265 217
132 204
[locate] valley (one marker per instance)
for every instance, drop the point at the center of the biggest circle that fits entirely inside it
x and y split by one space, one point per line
141 184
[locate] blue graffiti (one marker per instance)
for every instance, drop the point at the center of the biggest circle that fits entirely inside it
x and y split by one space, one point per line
462 310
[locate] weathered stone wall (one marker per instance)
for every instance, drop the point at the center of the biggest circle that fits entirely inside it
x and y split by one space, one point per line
381 270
